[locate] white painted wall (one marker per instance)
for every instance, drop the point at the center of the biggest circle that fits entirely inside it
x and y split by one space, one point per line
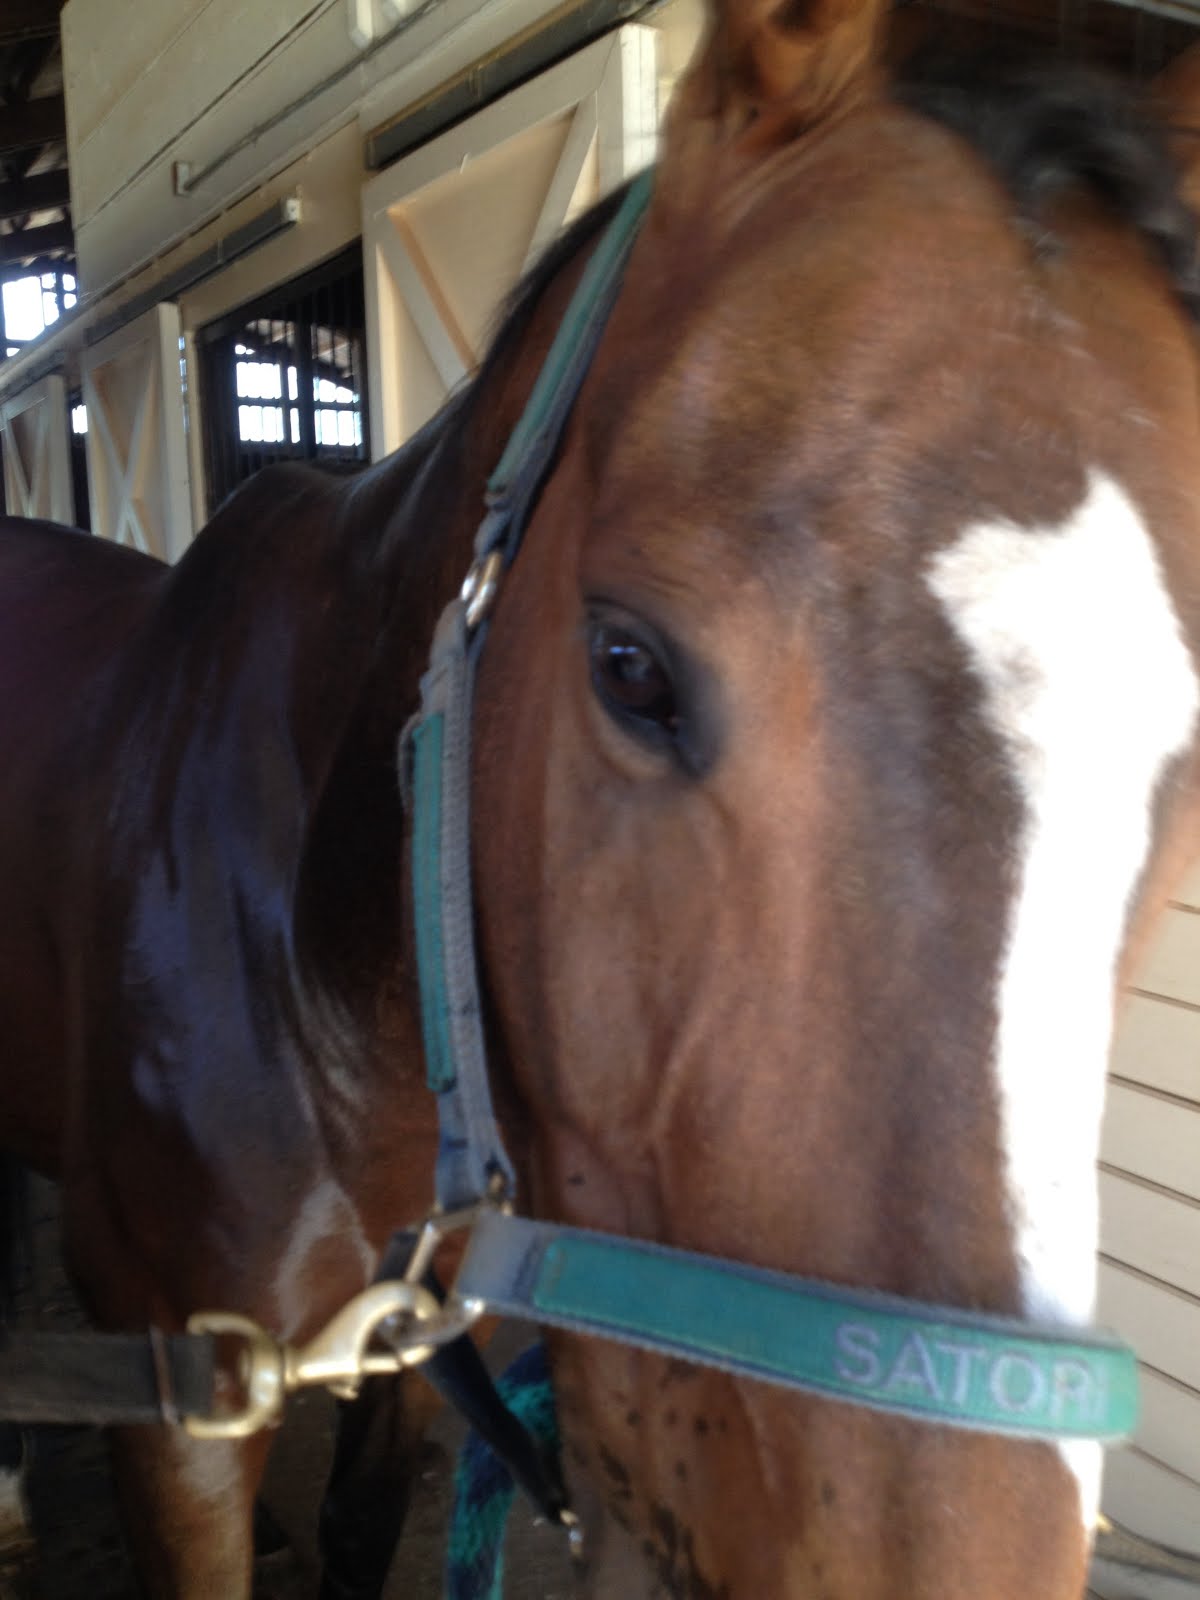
37 452
1150 1233
237 91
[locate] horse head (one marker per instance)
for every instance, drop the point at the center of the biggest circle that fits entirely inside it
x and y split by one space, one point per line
836 723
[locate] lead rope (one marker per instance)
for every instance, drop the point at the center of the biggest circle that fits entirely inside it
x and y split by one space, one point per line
484 1488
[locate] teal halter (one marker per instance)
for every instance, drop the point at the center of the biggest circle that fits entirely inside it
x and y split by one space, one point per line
960 1368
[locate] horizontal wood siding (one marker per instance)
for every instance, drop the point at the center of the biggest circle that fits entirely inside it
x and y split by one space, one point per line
1116 1583
1150 1247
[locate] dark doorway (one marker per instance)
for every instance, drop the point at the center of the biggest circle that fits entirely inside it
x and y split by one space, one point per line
284 377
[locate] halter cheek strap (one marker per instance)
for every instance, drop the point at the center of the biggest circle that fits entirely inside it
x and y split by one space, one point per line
929 1363
472 1161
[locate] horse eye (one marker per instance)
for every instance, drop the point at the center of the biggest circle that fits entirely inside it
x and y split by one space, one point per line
632 683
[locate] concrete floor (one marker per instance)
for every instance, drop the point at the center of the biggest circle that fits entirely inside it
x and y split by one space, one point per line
79 1553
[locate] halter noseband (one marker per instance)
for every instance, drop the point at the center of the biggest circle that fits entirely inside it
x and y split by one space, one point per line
932 1363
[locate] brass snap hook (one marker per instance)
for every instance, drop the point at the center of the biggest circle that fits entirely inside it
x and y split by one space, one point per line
337 1358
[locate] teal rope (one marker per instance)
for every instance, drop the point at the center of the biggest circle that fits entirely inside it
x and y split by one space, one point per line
484 1488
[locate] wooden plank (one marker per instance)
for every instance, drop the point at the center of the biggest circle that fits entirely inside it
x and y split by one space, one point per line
32 242
627 100
1151 1501
29 19
445 341
17 480
1172 966
1158 1044
34 269
40 192
556 207
1153 1138
1109 1581
31 123
38 460
549 95
1169 1429
1188 892
1119 1555
360 22
1162 1325
1157 1233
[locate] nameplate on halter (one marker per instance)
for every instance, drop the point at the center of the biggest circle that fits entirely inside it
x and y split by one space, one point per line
931 1363
947 1368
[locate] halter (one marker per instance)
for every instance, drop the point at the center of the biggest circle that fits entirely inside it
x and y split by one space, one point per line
959 1368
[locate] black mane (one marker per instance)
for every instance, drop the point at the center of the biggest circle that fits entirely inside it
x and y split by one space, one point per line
1048 127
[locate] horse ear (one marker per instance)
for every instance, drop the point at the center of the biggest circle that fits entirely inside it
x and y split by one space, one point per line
770 68
1176 98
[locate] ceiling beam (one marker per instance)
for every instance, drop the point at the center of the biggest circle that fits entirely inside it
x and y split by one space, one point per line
34 269
33 123
28 19
38 193
36 241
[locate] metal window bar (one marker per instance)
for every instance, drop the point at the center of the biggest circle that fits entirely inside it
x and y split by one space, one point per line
284 378
79 468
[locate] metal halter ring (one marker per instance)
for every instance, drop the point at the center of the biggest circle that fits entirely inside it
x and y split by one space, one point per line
480 586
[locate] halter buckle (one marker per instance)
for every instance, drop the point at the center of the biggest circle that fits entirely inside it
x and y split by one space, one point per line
480 586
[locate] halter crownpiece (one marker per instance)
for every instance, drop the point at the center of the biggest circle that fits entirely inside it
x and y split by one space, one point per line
929 1363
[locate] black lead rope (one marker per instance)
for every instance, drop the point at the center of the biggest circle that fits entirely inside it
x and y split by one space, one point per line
458 1372
105 1379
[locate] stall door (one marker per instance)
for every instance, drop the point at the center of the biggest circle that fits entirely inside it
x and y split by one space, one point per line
137 456
448 230
37 452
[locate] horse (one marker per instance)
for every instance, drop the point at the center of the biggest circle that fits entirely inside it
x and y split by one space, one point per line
834 742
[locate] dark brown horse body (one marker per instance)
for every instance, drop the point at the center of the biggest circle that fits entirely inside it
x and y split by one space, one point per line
793 717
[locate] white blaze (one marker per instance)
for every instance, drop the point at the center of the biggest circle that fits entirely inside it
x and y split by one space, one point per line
1087 679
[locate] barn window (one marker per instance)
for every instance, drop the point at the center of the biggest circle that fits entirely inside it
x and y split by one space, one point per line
284 377
30 304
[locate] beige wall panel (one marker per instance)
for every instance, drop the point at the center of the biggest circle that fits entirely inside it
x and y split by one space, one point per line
1151 1500
1109 1582
1169 1429
473 230
680 26
1153 1138
1155 1321
149 91
238 93
112 46
1172 963
1158 1044
449 230
1188 892
328 182
137 454
1160 1323
37 452
1152 1231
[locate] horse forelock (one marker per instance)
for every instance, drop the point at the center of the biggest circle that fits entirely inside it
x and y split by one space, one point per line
1046 128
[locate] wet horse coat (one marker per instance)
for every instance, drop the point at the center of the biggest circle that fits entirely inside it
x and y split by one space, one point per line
835 719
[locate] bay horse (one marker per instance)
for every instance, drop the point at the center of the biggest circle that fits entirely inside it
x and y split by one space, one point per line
835 739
